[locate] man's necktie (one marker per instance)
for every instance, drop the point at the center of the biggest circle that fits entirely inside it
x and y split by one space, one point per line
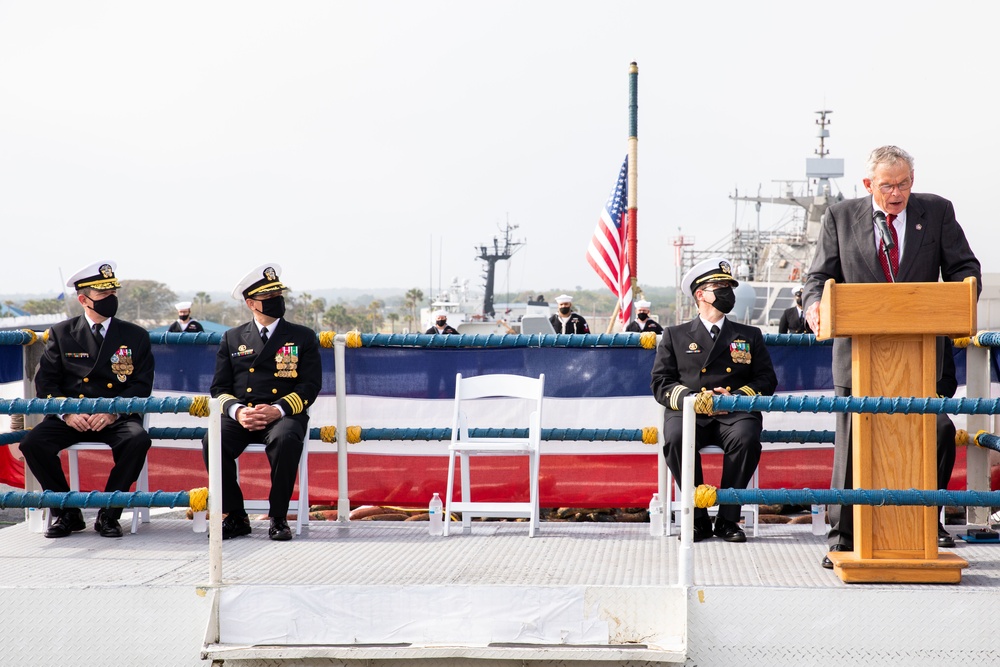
714 331
97 333
893 254
263 335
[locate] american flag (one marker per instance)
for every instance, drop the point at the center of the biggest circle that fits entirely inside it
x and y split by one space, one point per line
608 251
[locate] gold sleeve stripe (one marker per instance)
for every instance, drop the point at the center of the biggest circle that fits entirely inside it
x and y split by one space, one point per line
676 394
747 390
227 397
294 402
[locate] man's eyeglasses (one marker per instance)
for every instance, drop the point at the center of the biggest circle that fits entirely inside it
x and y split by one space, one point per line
887 188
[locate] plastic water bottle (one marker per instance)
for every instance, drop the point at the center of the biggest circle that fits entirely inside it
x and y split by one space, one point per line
656 516
818 520
37 519
436 512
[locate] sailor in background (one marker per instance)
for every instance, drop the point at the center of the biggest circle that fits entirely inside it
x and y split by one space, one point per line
184 323
441 325
94 355
267 373
793 320
712 355
566 321
643 321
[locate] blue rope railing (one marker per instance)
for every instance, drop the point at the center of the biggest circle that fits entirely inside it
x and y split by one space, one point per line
867 404
194 338
988 440
57 406
17 337
854 497
125 499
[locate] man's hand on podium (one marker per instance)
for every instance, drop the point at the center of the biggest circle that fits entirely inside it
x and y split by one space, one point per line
812 317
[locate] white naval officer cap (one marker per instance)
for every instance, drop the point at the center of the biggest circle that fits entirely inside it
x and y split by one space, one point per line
642 304
440 313
709 270
564 298
262 280
183 305
99 276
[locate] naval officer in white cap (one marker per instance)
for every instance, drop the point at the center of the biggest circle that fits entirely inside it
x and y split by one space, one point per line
643 321
267 373
184 323
94 355
713 355
566 321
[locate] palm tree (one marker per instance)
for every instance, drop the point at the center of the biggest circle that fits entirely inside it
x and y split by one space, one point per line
393 318
412 298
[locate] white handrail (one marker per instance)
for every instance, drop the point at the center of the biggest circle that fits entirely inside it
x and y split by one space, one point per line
685 555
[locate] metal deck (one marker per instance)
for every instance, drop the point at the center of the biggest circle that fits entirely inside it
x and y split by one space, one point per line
763 602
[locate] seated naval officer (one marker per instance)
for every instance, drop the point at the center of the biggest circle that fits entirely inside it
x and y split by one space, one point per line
713 355
643 322
94 355
184 323
566 321
267 372
441 325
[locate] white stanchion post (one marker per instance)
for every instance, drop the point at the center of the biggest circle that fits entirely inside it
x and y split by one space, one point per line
215 492
685 560
661 473
343 499
977 385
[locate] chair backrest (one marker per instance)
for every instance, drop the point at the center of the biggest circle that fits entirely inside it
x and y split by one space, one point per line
498 386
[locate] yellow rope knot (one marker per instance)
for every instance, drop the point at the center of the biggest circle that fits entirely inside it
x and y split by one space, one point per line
45 336
650 435
704 496
976 439
963 342
199 406
328 433
647 339
198 499
703 403
354 338
961 437
326 338
353 434
32 334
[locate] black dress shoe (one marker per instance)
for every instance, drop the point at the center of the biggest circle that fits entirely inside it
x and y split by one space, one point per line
279 530
235 526
66 524
826 562
944 538
728 530
702 529
107 525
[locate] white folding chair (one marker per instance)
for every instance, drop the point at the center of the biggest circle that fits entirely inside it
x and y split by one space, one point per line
492 387
750 513
141 484
302 508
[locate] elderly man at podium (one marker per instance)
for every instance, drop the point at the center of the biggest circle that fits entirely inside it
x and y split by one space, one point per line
713 355
893 235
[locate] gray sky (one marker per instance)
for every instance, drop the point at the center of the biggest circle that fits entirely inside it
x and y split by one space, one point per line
191 141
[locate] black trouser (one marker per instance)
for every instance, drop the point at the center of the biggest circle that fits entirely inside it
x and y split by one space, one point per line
740 442
842 516
127 438
282 441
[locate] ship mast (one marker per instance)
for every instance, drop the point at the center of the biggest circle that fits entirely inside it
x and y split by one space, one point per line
492 255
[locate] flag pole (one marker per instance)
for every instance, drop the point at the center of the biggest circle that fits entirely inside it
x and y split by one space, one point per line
633 173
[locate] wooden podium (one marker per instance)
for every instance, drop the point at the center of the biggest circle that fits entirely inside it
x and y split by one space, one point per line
894 353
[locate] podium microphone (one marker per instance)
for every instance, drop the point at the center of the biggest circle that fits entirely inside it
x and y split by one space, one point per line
887 242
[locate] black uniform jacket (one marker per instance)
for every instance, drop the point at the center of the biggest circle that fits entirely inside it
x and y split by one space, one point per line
193 326
648 325
688 361
286 371
792 322
575 325
72 366
448 329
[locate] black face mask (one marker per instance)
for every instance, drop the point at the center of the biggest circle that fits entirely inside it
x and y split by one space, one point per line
183 318
642 316
106 307
798 300
565 310
274 307
725 299
441 323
